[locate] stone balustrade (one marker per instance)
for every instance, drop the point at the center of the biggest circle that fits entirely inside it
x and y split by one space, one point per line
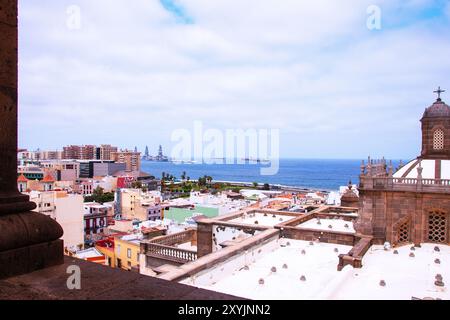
176 238
404 184
165 252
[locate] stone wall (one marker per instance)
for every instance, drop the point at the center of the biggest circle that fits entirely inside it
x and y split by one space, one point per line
382 210
323 236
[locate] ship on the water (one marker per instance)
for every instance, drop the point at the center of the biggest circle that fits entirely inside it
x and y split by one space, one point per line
158 158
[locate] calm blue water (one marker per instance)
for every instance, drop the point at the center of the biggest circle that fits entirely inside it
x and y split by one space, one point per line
307 173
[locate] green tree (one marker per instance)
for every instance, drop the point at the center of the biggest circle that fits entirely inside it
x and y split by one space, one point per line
266 186
98 192
136 185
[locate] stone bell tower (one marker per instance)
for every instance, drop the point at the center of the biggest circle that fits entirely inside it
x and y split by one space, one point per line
436 130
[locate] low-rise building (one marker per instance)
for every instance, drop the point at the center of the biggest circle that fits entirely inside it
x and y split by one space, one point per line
138 205
95 222
67 210
127 251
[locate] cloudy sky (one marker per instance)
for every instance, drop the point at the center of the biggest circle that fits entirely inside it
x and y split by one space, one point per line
131 72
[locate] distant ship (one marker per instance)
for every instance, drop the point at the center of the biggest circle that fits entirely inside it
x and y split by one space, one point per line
183 161
159 158
256 160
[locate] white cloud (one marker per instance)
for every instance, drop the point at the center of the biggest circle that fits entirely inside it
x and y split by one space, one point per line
132 73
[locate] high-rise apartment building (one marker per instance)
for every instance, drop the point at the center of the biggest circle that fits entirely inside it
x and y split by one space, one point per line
105 151
130 158
88 152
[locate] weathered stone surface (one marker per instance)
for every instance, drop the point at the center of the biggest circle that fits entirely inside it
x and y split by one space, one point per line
30 258
98 283
28 240
29 228
8 97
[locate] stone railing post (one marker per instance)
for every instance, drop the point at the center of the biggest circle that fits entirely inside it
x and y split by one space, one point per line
28 240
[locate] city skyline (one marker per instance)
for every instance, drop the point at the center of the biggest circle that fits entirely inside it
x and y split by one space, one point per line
334 90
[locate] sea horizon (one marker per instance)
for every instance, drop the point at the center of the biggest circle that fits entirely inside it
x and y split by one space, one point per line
314 174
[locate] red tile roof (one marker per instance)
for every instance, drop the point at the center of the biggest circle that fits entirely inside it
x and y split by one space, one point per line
22 178
48 178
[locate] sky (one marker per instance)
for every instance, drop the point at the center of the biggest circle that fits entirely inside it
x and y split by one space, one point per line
130 73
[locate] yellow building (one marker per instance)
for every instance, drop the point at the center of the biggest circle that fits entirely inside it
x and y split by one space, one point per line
138 205
127 251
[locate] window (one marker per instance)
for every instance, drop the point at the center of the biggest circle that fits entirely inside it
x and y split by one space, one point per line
438 140
118 249
437 227
403 233
129 253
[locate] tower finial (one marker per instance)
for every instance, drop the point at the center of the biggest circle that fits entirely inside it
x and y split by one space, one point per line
439 91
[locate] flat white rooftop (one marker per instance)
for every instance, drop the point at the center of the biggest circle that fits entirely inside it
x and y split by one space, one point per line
318 265
313 275
325 224
262 219
405 276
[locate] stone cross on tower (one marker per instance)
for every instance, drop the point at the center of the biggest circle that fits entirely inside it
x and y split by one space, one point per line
439 91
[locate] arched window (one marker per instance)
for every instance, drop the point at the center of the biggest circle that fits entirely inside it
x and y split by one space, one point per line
438 140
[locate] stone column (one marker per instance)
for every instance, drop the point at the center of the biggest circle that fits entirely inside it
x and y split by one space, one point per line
204 239
28 240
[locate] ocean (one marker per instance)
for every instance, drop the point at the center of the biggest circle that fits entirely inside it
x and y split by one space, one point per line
319 174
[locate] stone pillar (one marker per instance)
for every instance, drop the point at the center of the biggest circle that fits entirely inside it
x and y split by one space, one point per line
28 240
204 239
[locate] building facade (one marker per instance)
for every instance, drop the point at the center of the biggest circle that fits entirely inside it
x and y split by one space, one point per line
67 210
95 222
412 204
130 158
